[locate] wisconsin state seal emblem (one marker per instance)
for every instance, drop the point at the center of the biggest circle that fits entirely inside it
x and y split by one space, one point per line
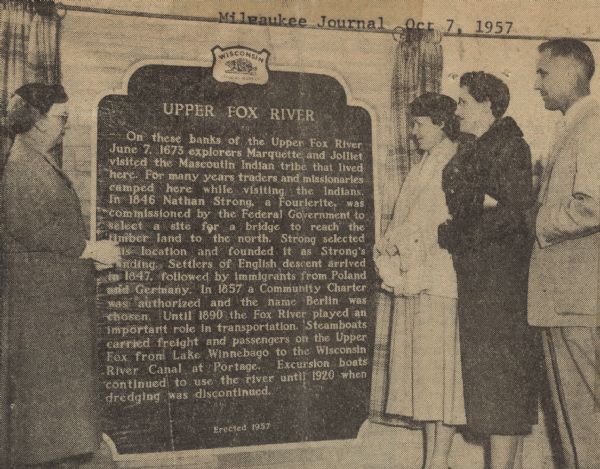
240 65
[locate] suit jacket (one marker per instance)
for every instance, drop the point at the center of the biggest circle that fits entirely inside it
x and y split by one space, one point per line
420 208
564 274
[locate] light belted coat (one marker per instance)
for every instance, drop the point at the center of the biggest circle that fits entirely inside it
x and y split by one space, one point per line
420 209
564 270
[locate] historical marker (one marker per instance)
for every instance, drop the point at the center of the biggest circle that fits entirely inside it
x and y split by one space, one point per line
243 202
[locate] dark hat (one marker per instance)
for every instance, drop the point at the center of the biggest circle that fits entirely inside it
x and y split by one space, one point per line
433 105
42 96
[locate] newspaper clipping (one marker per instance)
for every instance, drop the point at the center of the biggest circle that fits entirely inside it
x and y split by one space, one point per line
300 234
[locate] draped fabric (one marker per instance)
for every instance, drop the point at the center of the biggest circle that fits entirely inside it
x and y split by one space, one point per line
417 69
29 52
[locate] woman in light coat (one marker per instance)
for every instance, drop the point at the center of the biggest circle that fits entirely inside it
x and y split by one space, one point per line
425 381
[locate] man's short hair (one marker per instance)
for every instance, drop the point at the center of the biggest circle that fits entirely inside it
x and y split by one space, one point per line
485 86
567 47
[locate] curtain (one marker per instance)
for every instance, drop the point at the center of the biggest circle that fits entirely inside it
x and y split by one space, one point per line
417 69
29 52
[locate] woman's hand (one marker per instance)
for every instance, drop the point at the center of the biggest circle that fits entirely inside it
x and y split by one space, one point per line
489 201
444 235
384 246
104 252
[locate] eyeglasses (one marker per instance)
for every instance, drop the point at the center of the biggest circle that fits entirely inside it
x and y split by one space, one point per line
58 110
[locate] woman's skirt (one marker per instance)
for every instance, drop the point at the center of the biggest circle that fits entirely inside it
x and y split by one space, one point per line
501 354
425 377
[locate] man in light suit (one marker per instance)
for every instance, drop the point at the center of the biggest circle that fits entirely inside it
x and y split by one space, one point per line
564 273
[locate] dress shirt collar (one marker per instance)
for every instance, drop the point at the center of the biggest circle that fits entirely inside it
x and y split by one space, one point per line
577 109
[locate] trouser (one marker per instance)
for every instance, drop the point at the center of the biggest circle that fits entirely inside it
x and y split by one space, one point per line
573 366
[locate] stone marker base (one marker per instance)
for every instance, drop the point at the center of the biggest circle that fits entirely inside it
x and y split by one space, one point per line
377 447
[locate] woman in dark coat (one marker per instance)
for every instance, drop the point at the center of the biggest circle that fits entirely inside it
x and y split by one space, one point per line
49 291
488 191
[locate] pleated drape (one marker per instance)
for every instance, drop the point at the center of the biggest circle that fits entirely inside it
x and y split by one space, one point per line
29 50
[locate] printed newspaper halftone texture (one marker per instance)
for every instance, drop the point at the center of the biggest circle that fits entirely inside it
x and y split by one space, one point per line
511 59
381 361
597 394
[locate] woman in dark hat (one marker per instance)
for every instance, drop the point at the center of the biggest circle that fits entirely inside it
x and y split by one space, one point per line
425 380
49 291
488 191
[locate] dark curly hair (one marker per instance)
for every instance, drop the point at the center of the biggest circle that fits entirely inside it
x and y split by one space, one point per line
20 117
440 109
485 86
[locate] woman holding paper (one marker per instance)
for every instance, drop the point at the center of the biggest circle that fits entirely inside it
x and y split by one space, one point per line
425 381
48 294
488 192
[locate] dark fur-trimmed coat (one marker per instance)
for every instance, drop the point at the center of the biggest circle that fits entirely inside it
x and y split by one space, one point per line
491 248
